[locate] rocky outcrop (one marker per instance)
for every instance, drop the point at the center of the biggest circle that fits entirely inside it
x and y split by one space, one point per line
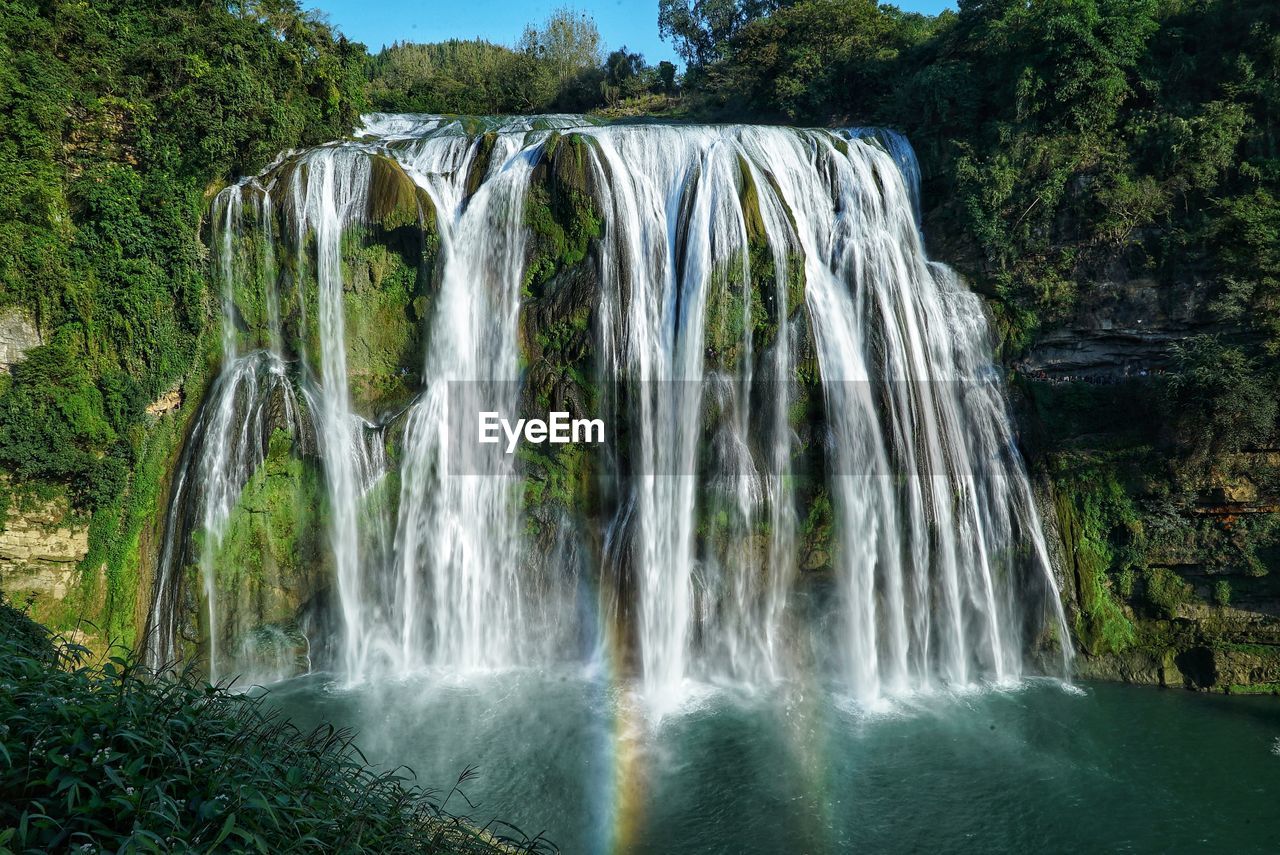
41 546
166 403
18 334
1170 563
1124 328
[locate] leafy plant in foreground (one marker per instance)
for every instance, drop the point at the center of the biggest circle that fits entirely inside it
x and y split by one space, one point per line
117 759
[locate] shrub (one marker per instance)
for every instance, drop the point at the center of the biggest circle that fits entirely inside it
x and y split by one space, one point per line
116 759
1223 400
1165 590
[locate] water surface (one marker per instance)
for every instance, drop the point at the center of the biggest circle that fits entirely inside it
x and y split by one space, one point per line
1034 767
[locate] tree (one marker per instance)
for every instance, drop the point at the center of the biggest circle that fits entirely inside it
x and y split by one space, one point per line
1080 55
447 77
807 61
700 28
1224 400
567 44
626 75
666 84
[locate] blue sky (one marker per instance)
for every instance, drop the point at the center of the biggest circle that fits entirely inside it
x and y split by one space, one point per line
633 23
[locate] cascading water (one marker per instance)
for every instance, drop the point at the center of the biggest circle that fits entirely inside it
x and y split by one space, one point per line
250 397
799 402
462 600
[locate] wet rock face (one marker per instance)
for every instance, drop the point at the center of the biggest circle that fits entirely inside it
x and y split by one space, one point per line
1171 572
1170 565
1121 329
273 561
18 334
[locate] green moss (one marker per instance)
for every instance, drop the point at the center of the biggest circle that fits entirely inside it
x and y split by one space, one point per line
387 266
556 482
481 161
728 319
381 326
394 200
1091 505
749 197
382 500
816 533
110 596
240 254
262 538
560 209
1254 689
1165 590
560 334
744 294
271 547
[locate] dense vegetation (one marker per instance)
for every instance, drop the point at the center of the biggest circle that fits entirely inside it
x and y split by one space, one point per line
1064 143
557 67
110 759
1066 136
119 118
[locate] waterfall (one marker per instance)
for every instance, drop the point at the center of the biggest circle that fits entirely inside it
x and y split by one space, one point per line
809 465
330 192
462 603
251 396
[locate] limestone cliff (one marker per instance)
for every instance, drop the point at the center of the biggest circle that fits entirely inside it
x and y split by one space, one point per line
1169 555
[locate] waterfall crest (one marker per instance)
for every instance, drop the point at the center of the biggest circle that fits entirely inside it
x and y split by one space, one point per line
809 465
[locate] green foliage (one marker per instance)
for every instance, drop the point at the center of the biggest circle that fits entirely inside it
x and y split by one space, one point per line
1079 58
558 66
121 118
627 75
1064 138
1165 590
119 115
560 210
799 62
382 328
700 28
1222 592
263 544
22 636
1103 538
1222 399
114 759
816 532
559 478
454 76
54 423
1246 237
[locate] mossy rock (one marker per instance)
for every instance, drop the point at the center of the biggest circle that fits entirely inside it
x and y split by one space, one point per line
480 162
395 201
743 292
560 209
1101 624
816 534
383 328
271 556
